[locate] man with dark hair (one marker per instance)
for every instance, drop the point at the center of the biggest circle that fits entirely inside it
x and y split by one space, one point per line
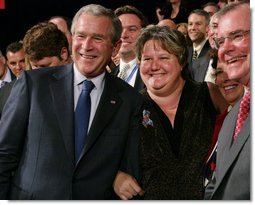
64 24
210 7
45 45
198 59
16 58
132 21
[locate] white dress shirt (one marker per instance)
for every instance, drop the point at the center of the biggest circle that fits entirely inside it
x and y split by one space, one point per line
133 66
95 94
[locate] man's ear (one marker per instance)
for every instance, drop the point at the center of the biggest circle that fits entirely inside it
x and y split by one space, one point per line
64 53
116 48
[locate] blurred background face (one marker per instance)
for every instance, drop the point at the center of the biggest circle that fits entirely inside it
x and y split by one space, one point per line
212 31
233 1
222 3
16 61
210 10
197 28
231 90
61 24
183 30
2 67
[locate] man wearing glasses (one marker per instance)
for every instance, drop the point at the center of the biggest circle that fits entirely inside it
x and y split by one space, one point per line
232 175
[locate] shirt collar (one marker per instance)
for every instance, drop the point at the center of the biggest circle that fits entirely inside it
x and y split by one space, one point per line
200 46
78 78
132 63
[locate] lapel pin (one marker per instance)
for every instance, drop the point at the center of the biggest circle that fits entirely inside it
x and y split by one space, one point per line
113 102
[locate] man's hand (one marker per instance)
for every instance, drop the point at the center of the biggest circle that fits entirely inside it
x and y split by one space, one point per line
126 186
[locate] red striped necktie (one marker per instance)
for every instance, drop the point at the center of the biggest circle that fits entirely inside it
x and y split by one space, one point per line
244 110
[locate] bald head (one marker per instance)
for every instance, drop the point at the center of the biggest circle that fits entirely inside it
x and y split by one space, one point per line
168 23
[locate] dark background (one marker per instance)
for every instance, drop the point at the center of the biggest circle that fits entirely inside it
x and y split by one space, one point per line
20 15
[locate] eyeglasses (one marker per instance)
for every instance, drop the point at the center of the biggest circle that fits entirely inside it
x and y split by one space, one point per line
234 37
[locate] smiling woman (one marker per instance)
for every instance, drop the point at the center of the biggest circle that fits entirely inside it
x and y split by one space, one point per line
173 145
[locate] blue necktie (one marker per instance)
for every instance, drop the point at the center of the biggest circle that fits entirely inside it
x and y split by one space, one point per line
82 114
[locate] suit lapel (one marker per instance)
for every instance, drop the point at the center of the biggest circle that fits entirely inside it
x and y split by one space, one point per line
228 151
62 94
108 105
205 49
139 85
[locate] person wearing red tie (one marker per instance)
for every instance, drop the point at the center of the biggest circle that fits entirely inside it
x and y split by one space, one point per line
232 175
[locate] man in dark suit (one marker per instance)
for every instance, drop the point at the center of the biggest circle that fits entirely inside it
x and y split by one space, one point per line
132 21
45 46
198 58
232 179
37 136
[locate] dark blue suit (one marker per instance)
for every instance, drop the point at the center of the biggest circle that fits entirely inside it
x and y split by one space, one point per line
37 138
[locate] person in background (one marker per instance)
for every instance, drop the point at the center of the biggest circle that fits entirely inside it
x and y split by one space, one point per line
176 10
222 3
212 31
235 1
183 28
175 136
44 45
15 56
64 24
232 176
198 59
42 154
6 76
132 21
211 8
167 22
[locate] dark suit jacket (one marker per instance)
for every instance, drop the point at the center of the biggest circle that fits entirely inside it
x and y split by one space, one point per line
4 94
198 67
139 85
13 77
233 163
37 138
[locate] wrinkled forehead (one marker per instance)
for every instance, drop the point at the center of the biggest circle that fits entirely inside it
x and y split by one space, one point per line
235 20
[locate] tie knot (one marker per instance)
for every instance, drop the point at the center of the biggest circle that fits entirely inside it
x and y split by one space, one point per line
194 55
87 85
123 72
247 96
126 67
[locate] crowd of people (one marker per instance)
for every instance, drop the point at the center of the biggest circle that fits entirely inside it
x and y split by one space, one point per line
109 106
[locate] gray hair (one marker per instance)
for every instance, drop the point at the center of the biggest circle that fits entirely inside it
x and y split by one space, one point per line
98 10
